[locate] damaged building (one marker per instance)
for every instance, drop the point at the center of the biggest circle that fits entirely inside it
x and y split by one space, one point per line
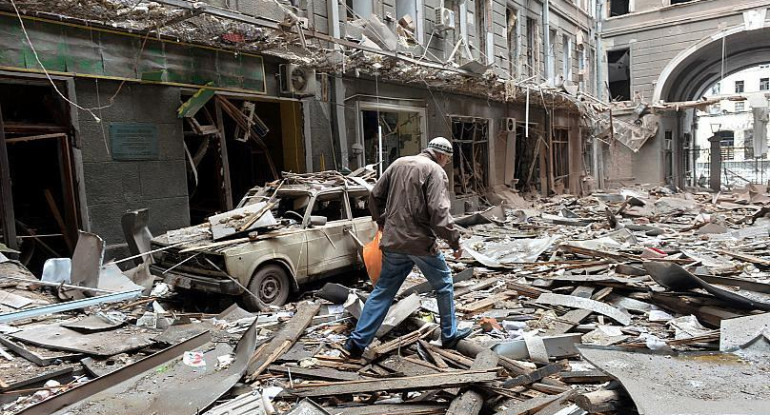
98 87
662 62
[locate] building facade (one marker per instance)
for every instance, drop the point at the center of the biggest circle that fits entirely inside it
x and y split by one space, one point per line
181 107
663 58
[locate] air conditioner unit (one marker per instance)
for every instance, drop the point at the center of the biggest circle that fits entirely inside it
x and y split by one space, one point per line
508 125
445 19
296 80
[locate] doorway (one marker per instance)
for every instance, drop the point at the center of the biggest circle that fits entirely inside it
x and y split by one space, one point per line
39 186
233 144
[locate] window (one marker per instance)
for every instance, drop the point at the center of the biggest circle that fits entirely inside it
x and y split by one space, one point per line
482 32
470 138
566 69
413 9
549 70
619 74
512 20
748 144
359 204
764 84
680 1
740 106
727 144
532 54
358 9
330 205
402 132
619 7
738 87
560 153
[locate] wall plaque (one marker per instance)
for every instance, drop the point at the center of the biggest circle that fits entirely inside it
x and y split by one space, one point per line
134 141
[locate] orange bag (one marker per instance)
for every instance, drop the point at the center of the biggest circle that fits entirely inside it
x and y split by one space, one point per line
373 258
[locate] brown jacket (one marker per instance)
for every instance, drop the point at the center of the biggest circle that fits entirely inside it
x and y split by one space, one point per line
410 200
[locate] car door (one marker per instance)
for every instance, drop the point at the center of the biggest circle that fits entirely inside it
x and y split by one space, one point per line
329 247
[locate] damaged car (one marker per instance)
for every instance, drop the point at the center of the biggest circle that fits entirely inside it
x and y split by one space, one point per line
277 239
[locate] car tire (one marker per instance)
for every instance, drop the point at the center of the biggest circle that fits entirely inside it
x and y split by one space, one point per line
270 284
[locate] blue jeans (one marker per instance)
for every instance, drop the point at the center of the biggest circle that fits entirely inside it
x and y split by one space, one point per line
395 268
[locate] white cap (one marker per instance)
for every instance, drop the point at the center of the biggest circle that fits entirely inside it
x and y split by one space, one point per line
442 145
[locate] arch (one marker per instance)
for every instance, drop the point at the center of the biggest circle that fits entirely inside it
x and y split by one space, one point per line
687 75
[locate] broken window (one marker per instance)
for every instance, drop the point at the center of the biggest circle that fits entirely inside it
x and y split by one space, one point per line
470 137
411 13
330 206
619 74
740 106
402 134
358 9
668 156
549 70
532 53
359 204
619 7
764 84
43 193
481 29
738 87
727 144
566 69
512 19
561 154
748 144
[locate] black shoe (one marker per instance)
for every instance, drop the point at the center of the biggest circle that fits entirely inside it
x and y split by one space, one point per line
353 350
459 335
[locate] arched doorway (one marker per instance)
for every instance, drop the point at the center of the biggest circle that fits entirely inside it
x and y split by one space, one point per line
692 76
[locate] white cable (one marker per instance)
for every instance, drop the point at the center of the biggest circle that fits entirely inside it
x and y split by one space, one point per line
37 58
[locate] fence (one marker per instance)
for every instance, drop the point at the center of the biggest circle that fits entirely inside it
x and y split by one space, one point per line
736 171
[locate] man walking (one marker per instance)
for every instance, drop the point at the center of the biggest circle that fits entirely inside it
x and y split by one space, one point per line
411 206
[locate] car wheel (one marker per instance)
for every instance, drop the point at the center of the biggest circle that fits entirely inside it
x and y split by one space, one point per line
270 285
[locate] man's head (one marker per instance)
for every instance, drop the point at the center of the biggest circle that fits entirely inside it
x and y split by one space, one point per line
442 150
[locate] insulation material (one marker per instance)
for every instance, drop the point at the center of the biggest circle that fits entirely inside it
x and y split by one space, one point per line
634 133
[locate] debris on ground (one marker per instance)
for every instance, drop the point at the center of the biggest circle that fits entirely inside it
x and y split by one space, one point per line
642 301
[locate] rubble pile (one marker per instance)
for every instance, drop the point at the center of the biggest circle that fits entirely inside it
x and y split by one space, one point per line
642 301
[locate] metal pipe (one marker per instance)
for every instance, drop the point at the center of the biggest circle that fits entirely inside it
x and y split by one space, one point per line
70 305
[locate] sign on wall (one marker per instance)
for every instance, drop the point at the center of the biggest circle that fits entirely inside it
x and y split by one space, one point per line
134 141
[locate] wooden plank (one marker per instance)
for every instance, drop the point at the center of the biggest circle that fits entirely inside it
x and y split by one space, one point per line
476 287
7 218
320 373
471 401
34 138
227 187
58 218
601 400
282 341
480 305
584 376
534 376
524 289
530 406
437 359
407 367
390 409
412 383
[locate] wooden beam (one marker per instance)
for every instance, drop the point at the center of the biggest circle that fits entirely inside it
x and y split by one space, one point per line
7 217
322 373
227 186
534 376
412 383
282 341
58 218
35 138
471 401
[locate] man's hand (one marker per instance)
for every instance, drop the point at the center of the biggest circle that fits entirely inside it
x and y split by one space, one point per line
458 253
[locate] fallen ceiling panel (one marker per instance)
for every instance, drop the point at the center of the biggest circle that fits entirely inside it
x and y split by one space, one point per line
175 387
104 343
687 383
